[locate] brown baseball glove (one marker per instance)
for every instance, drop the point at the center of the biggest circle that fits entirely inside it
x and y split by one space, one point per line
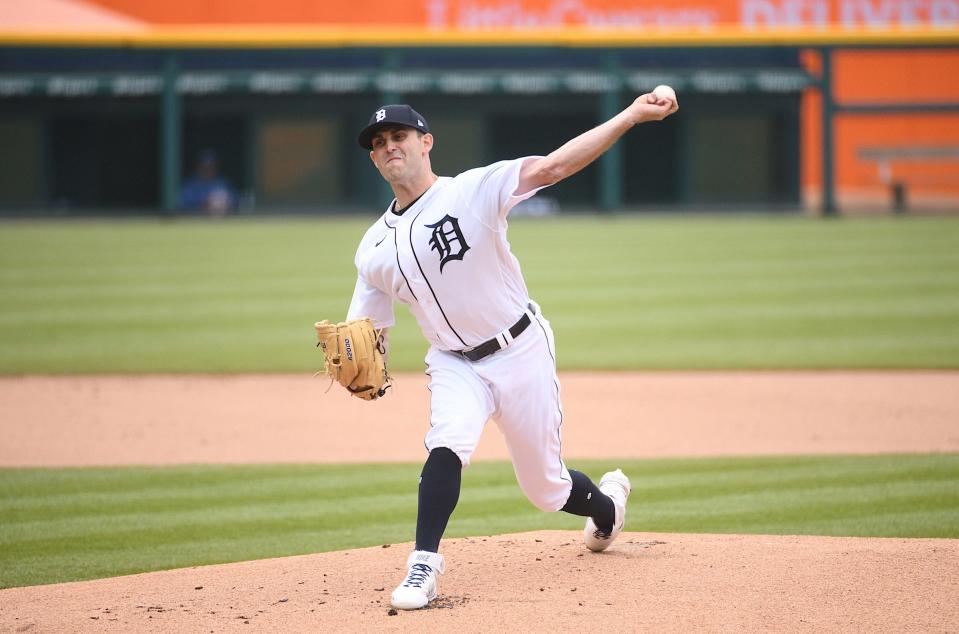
354 357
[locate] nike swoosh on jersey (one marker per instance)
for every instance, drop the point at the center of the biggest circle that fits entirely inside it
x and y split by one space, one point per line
380 242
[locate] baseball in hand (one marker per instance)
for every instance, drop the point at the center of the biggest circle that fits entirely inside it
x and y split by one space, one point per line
665 92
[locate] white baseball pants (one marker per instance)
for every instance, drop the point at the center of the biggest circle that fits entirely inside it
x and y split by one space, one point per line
518 388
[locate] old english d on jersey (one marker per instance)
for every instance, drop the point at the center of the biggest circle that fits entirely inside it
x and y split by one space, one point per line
448 259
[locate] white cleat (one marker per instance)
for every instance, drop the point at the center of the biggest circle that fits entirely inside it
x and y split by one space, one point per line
615 484
419 587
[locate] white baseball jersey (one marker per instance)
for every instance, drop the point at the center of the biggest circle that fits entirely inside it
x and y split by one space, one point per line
448 259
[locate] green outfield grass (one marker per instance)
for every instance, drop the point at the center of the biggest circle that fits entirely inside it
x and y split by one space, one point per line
656 292
70 524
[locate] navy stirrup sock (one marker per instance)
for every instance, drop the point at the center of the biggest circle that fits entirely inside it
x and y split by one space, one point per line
439 493
588 501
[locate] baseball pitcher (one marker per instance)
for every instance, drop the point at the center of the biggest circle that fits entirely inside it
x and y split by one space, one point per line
441 248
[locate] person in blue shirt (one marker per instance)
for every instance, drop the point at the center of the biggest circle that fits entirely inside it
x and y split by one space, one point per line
206 191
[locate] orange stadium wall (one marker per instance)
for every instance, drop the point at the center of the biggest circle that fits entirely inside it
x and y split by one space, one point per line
877 77
509 14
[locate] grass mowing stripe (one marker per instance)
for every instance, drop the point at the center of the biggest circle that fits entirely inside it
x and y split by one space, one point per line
211 508
782 479
83 523
765 289
145 293
132 558
658 269
196 482
194 315
884 309
199 516
931 523
793 503
241 521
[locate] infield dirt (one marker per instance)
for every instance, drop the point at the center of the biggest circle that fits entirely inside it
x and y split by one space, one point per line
532 581
123 420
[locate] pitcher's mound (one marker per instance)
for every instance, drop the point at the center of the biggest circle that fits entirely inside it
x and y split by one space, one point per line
543 581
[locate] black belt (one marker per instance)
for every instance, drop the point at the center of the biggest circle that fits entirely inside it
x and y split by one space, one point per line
489 347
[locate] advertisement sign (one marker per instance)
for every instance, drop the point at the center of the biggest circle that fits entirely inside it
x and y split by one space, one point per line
518 15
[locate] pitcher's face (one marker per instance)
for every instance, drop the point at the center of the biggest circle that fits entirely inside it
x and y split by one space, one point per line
401 153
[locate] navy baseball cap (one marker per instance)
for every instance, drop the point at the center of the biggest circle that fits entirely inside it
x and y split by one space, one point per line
396 114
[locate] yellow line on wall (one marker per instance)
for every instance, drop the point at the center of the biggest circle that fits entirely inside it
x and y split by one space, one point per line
330 37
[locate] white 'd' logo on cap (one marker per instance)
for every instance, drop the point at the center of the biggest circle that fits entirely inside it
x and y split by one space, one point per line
380 115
